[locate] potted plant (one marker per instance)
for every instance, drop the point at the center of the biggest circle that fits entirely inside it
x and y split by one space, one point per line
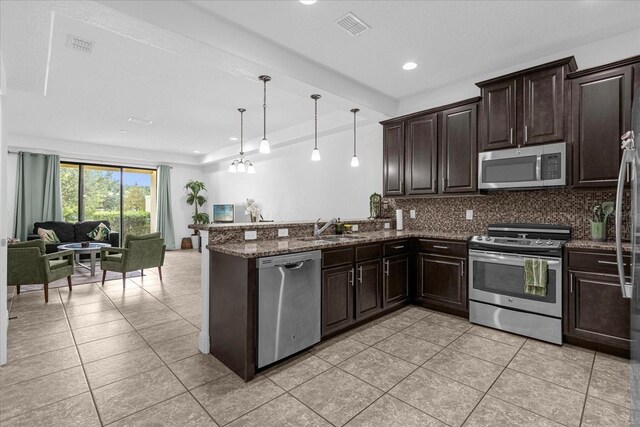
194 198
252 209
599 223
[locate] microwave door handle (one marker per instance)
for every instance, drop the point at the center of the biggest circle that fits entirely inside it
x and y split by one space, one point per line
627 157
538 167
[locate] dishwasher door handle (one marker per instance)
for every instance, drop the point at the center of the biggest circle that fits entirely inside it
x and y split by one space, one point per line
294 265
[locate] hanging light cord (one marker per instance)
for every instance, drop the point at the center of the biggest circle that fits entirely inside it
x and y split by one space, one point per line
316 124
264 110
242 110
354 130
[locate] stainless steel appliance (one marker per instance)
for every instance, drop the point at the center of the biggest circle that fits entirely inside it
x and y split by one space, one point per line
631 163
496 279
288 305
527 167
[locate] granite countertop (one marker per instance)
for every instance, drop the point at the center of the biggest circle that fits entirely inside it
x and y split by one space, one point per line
603 246
281 224
261 248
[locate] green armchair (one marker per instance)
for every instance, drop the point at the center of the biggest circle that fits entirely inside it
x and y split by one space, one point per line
27 264
139 252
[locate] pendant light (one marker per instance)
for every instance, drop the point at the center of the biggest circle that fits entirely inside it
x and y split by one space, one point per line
264 144
241 165
354 160
315 154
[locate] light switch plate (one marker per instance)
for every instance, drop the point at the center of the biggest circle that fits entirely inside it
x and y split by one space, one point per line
354 227
469 214
283 232
412 214
387 225
250 235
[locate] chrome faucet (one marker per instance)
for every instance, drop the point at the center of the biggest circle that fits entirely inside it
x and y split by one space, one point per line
318 231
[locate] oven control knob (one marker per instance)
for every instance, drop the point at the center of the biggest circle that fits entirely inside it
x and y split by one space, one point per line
478 237
487 238
538 242
549 242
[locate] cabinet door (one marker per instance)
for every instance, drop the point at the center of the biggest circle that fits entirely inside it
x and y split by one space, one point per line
597 310
393 159
543 107
499 115
600 114
459 150
442 281
337 298
368 288
422 155
396 280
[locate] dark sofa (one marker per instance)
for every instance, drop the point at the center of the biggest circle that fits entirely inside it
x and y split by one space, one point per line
69 232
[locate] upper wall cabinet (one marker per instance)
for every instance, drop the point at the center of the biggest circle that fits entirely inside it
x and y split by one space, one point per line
525 108
600 113
439 148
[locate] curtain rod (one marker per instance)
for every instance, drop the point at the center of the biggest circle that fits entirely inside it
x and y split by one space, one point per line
71 159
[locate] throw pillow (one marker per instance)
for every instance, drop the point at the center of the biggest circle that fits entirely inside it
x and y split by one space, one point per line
101 232
49 236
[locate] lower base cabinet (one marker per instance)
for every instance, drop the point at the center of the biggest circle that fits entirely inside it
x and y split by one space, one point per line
337 298
396 280
368 299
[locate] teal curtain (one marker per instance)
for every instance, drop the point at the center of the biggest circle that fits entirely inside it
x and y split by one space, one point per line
38 195
165 217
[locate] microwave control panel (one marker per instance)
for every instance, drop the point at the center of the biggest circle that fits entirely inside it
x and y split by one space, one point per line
551 168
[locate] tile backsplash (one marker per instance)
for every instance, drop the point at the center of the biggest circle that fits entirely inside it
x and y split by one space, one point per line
568 207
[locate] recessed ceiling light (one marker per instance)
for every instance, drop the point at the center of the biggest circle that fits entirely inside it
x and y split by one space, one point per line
410 66
233 138
140 121
307 2
196 151
122 131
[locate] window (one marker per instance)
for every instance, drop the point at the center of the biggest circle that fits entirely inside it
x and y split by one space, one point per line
126 197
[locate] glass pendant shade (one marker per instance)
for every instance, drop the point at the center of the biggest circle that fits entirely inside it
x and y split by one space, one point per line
264 146
241 168
251 169
315 155
232 167
354 162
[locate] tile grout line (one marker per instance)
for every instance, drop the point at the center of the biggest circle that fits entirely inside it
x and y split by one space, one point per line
586 395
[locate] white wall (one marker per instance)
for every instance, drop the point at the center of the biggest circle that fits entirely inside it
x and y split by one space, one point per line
182 212
289 186
599 53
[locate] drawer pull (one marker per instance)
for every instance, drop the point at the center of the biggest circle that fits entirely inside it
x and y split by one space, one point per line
610 263
398 247
440 247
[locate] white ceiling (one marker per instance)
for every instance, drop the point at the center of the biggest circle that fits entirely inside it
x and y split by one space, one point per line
188 66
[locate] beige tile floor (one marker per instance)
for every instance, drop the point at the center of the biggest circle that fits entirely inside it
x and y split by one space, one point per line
101 356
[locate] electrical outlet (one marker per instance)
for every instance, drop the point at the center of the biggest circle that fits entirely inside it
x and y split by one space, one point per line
250 235
283 232
469 214
354 227
387 225
412 214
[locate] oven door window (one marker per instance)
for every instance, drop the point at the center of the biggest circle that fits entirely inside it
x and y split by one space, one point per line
514 169
508 280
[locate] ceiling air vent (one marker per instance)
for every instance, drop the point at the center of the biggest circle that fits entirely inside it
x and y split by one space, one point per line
352 24
81 45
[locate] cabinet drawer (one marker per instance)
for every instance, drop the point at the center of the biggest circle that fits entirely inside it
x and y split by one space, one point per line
334 257
601 262
366 252
443 247
396 248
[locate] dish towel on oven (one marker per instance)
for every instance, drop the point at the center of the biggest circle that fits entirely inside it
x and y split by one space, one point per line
535 277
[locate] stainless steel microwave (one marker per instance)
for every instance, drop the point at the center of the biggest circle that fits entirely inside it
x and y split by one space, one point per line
527 167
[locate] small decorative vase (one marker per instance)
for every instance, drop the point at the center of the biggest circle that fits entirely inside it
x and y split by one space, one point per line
254 218
598 231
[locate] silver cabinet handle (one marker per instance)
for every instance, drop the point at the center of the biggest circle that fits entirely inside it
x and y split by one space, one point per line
398 247
360 274
351 275
628 156
386 267
442 184
526 136
511 136
440 247
628 173
570 283
462 268
610 263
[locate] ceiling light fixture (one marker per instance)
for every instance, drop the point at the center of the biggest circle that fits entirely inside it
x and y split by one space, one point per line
140 121
410 66
241 165
315 154
196 151
354 160
307 2
233 138
264 144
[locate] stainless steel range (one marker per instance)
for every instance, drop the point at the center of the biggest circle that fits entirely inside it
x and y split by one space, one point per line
497 296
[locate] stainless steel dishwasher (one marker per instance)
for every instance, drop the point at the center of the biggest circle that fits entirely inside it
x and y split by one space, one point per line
288 305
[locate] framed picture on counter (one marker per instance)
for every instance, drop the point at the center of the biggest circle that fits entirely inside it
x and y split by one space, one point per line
223 213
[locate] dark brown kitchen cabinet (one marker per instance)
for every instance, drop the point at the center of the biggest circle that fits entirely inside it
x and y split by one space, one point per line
600 113
396 280
595 313
393 159
526 107
421 143
459 149
337 298
368 288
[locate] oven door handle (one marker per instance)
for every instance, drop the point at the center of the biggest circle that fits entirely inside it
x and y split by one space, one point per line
507 259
